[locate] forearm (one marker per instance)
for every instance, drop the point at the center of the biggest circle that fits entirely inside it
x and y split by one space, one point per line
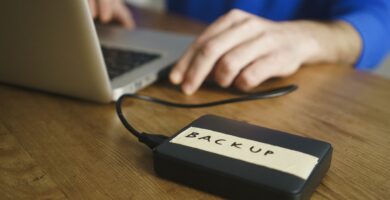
328 42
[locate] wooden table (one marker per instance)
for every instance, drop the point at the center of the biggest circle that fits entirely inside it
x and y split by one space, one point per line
54 147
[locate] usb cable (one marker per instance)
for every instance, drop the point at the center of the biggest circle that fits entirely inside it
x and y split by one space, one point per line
153 140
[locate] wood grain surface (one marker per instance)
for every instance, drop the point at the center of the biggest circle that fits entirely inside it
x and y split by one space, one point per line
55 147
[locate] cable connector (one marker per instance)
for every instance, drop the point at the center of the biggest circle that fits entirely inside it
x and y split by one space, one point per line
152 140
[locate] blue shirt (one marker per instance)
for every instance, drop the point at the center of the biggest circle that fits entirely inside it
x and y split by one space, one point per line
371 18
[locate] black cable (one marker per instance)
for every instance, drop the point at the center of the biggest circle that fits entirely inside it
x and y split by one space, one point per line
153 140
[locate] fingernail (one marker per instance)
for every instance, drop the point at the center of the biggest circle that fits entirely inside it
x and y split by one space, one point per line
188 89
223 84
175 78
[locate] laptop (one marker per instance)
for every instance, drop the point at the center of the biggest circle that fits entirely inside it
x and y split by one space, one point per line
55 46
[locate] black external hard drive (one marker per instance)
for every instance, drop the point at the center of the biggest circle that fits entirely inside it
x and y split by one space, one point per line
237 160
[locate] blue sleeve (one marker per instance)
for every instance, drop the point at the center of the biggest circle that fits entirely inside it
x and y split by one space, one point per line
371 19
203 10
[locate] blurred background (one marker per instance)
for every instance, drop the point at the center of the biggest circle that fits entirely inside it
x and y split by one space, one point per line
158 5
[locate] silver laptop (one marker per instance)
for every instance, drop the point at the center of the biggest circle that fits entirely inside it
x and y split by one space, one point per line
55 46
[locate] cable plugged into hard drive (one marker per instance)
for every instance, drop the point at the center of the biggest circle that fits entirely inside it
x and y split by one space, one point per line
152 140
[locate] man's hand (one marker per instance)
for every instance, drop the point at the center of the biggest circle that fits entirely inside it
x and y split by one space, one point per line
244 50
109 10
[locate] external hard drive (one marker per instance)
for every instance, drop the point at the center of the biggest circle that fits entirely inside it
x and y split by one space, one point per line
237 160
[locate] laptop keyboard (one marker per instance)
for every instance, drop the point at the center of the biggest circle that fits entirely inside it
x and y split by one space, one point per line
121 61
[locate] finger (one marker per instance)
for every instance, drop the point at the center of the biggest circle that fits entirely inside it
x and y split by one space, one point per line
105 10
229 66
257 72
207 56
92 7
220 25
123 15
177 73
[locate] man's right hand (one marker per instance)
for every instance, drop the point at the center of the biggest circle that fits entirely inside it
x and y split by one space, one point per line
111 10
243 50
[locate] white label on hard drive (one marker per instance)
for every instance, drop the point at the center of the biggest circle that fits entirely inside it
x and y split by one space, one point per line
258 153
